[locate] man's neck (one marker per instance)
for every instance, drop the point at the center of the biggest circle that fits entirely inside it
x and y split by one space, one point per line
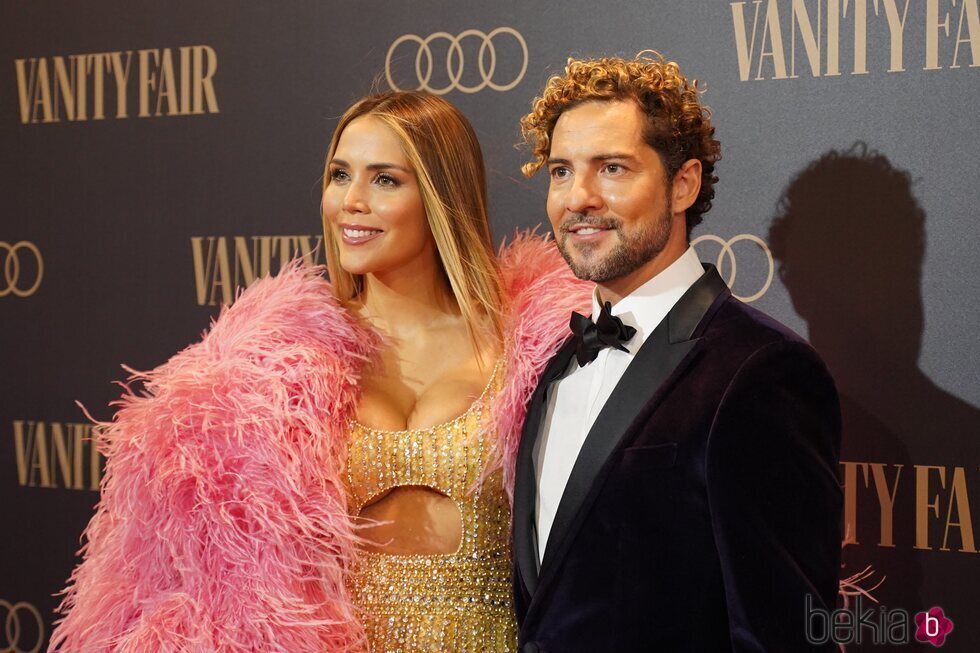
616 289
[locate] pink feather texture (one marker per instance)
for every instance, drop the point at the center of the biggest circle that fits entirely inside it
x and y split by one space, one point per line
542 292
223 524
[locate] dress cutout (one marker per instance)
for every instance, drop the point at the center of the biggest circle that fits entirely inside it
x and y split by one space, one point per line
441 603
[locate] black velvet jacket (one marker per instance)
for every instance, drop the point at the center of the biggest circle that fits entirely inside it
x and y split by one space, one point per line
705 503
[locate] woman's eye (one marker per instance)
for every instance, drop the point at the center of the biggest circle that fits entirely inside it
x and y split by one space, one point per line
559 173
384 179
339 174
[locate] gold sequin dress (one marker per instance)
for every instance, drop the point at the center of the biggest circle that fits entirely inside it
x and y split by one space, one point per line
441 603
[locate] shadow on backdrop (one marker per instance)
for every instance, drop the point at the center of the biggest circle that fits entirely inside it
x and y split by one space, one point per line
849 239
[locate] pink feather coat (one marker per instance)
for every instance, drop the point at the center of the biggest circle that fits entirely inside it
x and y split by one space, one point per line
223 521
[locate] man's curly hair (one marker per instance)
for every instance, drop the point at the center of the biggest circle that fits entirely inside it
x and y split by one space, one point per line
678 126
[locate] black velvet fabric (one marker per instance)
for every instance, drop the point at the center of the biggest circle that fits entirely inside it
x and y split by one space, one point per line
716 514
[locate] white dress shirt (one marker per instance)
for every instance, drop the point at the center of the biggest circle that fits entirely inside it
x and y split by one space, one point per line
575 400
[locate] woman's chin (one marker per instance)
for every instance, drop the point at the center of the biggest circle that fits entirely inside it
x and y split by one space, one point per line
357 264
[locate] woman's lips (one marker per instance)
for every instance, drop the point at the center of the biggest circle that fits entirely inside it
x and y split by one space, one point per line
357 234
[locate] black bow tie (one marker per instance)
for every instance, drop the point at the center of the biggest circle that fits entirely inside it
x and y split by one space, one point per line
592 337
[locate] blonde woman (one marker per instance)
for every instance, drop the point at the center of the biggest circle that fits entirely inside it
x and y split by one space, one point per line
330 469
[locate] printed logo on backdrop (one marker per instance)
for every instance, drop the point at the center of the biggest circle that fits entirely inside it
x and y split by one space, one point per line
56 455
79 87
939 505
787 39
753 260
467 62
23 627
23 269
224 264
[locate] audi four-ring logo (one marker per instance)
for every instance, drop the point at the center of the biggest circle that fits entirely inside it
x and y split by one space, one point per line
13 281
727 253
13 631
455 64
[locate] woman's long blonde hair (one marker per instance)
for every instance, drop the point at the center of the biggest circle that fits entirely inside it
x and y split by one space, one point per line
444 152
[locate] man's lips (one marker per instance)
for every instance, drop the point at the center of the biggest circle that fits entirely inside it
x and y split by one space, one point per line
584 232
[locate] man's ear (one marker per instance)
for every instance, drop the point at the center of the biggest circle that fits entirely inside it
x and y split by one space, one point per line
686 186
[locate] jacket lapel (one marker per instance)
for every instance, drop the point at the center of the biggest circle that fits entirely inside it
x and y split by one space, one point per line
525 483
644 382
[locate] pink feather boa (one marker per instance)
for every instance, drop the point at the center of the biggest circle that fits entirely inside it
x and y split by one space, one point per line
223 522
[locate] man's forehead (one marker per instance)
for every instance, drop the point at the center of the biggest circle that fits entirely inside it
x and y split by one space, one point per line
598 126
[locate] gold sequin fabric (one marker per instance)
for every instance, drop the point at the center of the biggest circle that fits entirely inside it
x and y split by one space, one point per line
441 603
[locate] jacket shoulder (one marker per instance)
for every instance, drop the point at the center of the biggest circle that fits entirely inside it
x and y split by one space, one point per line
297 306
741 325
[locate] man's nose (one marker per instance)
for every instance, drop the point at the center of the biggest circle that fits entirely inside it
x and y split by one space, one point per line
584 196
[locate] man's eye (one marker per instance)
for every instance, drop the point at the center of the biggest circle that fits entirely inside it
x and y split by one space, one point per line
560 172
614 168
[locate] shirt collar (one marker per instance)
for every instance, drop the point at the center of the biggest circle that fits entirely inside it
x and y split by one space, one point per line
645 307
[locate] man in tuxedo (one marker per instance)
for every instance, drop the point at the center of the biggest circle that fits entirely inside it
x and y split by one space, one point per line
676 484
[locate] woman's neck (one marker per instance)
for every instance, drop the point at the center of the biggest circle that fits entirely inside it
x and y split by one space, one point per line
403 303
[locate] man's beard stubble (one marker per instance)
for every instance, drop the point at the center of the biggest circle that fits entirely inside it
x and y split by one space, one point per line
634 248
